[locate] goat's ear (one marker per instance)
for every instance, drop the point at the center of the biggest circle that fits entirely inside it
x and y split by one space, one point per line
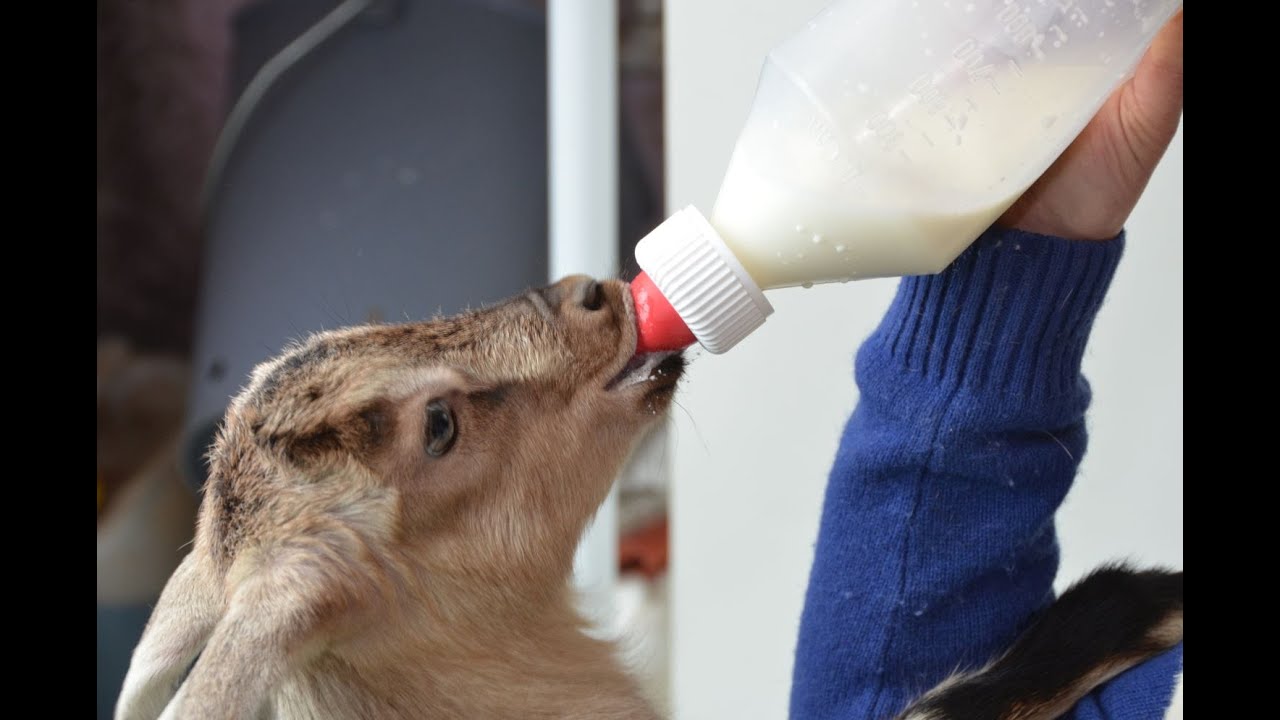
280 615
1107 623
182 622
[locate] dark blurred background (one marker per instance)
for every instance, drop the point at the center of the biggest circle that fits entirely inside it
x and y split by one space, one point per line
395 169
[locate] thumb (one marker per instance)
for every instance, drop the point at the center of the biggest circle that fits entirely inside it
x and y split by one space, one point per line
1152 104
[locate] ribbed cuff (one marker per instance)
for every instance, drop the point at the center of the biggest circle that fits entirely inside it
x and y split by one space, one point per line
1013 312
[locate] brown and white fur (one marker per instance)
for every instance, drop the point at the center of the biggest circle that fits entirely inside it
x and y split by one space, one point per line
349 564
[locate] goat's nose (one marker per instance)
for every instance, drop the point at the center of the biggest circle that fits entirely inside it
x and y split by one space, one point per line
574 292
590 296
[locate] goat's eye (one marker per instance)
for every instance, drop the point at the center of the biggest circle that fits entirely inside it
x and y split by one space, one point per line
440 428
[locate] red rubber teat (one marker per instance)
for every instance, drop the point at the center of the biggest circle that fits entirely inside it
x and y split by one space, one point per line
658 326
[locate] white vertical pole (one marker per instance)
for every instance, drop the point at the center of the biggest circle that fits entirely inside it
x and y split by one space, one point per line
582 80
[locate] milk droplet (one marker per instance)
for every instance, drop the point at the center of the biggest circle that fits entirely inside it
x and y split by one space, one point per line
840 248
817 238
806 285
799 227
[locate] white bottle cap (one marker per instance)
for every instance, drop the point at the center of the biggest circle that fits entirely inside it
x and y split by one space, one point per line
698 274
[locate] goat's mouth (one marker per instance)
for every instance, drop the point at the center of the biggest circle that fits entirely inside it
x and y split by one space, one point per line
657 372
653 375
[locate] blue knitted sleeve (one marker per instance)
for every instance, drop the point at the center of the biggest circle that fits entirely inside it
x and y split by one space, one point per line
937 540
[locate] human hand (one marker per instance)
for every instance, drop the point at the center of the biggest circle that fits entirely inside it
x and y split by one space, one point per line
1089 192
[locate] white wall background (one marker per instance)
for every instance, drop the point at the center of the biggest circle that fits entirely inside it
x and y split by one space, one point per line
756 429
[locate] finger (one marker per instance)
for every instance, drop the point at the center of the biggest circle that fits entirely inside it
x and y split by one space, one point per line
1164 57
1155 93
